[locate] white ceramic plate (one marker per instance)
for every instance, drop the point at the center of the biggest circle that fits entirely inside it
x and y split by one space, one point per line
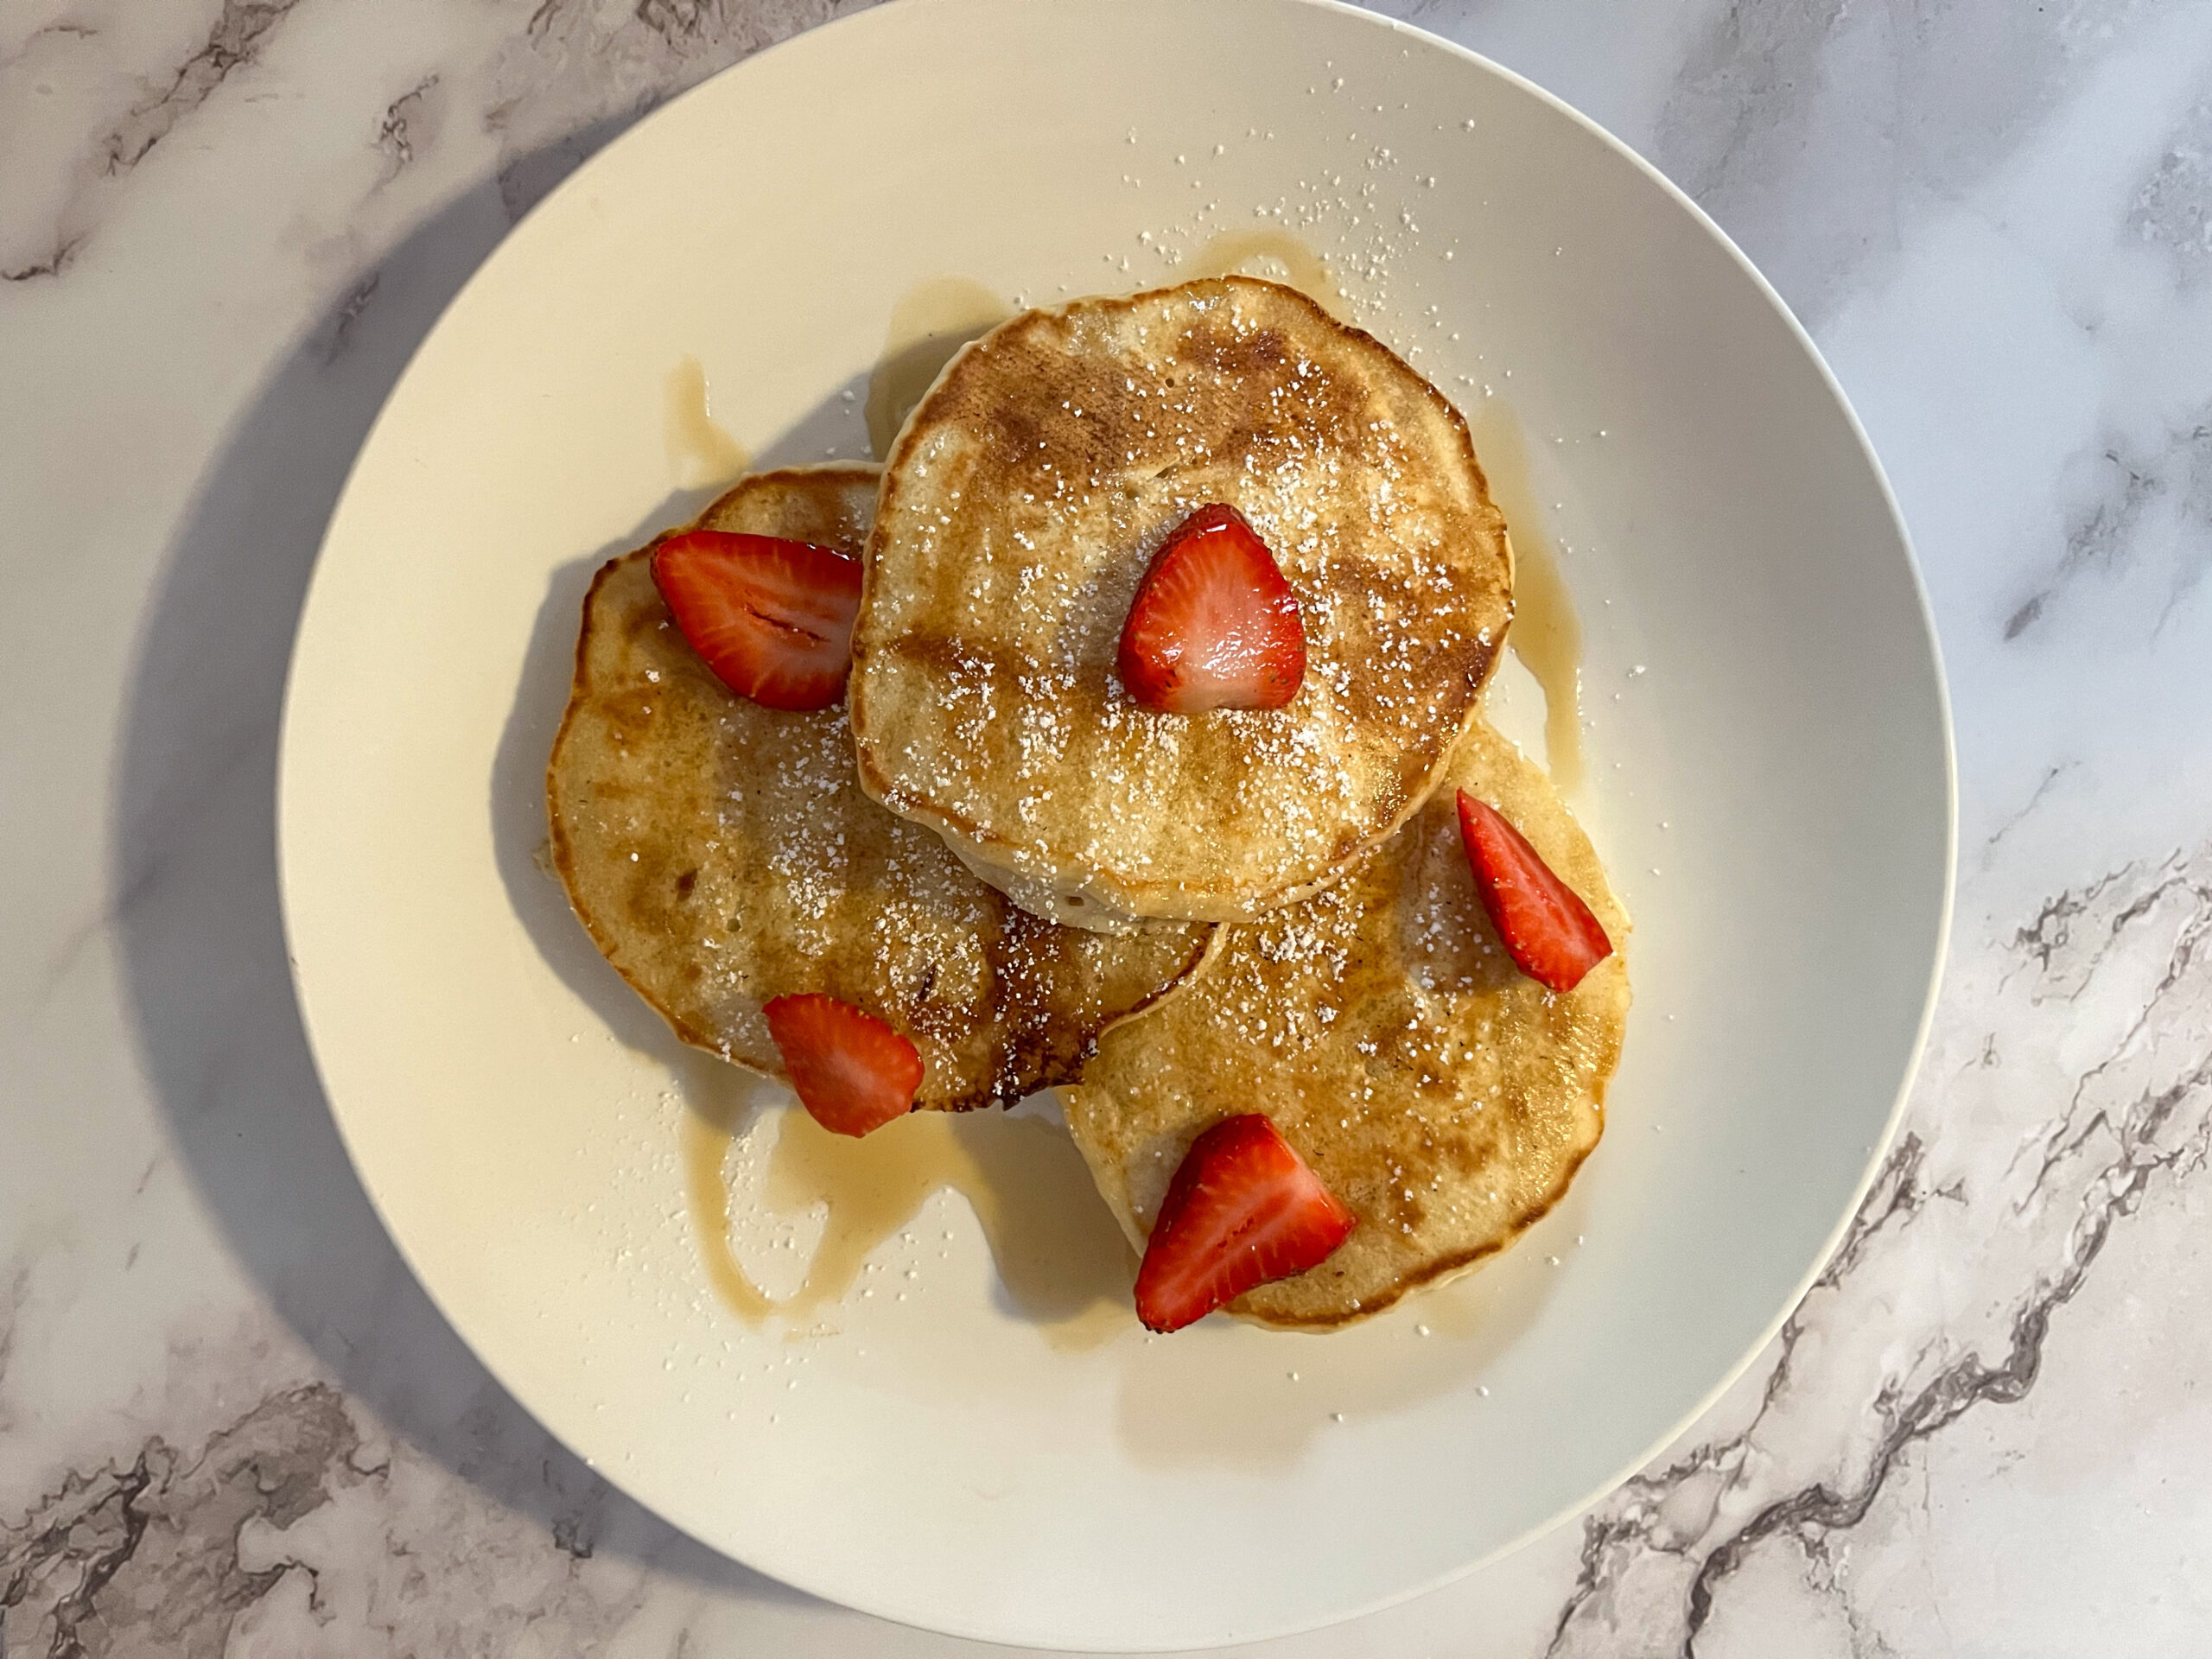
1770 780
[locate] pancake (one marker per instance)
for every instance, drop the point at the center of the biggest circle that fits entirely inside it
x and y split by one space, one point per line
722 854
1021 504
1443 1096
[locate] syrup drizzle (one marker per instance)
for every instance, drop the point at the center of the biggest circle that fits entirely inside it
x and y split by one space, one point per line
701 451
1061 1260
1276 256
1545 634
932 322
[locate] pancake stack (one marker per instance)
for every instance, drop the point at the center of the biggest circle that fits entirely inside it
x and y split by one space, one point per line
1174 610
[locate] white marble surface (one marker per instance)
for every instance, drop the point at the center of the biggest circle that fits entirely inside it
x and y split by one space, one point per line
229 1420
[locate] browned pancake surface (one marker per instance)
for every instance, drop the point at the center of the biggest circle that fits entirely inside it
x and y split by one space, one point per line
1023 501
722 854
1445 1097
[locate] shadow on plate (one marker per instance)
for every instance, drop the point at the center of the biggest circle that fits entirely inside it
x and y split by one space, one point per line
1062 1263
203 948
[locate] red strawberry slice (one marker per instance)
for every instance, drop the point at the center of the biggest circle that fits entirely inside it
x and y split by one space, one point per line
852 1071
1547 929
1243 1210
772 619
1214 624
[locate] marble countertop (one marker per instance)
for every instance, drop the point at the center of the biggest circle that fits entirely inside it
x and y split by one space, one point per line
230 1421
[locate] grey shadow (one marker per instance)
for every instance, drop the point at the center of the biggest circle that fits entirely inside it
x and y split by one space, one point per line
1163 1422
203 953
518 784
831 430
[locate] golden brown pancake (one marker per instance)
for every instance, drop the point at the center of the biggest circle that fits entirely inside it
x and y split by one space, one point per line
722 854
1443 1095
1020 507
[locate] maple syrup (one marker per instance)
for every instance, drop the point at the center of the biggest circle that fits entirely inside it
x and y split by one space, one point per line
701 451
934 320
1276 256
1061 1260
1545 634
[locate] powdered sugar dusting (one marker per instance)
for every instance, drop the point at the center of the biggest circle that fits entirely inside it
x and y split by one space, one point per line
1041 478
1442 1095
723 854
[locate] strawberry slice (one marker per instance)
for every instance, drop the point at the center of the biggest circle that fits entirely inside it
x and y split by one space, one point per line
772 619
1243 1210
852 1071
1547 929
1214 624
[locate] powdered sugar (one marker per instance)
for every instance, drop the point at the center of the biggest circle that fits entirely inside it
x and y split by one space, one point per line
1011 547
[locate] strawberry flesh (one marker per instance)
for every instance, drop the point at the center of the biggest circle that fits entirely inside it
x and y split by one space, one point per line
771 619
1213 625
1547 929
850 1071
1242 1211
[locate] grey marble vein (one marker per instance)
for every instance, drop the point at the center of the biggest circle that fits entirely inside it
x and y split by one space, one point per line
410 118
2137 1119
2121 490
62 29
145 1557
338 334
236 39
1859 109
2173 209
2044 784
